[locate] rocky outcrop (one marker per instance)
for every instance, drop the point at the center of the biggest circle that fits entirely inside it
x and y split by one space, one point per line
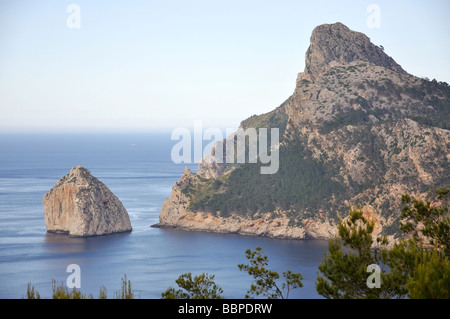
373 131
175 213
336 42
80 205
211 166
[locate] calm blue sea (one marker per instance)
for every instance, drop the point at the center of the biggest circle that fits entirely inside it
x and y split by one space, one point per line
138 169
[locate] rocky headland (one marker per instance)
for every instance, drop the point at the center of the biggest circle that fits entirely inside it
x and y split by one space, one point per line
358 130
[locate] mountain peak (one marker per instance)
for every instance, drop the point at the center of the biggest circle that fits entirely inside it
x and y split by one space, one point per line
357 131
336 42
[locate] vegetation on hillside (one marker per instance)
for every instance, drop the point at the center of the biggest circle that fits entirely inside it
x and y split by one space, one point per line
417 266
300 183
274 119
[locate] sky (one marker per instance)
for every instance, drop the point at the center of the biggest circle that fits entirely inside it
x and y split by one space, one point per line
139 66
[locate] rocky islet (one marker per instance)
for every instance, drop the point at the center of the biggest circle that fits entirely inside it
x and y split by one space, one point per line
80 205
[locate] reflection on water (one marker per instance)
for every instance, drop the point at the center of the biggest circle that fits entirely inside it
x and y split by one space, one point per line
60 243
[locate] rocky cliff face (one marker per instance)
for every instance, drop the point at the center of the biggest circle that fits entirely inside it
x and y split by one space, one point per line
335 42
175 213
80 205
357 130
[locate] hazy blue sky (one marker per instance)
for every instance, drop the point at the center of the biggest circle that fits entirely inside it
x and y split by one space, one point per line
145 65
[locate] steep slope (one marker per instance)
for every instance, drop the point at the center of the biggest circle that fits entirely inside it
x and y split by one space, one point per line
358 130
336 42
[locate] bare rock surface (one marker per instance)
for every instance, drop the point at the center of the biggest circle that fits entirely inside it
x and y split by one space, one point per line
336 42
80 205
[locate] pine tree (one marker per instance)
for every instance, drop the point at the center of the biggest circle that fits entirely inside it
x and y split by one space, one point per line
345 269
266 280
199 287
418 263
431 278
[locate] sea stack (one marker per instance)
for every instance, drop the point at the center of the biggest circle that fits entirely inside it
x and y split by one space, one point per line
80 205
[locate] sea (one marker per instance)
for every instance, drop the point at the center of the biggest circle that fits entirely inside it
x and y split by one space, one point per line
138 169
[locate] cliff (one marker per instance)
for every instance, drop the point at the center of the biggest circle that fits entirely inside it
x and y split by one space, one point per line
80 205
175 213
337 43
357 130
